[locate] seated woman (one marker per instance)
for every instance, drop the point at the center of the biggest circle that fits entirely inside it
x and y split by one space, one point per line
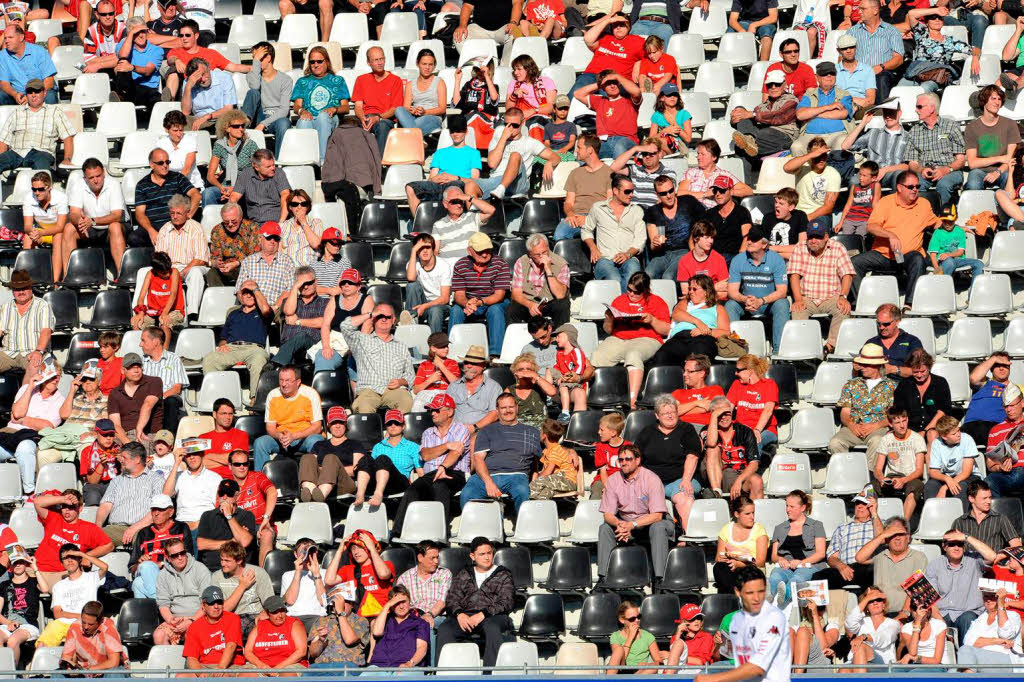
950 462
365 572
755 397
923 638
992 636
697 322
932 65
872 634
742 542
277 641
332 466
924 395
670 120
813 638
533 93
632 645
426 97
798 547
1011 196
162 299
232 153
181 150
531 390
36 407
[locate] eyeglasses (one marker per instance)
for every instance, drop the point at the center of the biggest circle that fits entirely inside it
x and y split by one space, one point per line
165 162
317 61
796 51
299 203
912 187
562 108
186 35
691 371
177 555
240 464
666 193
848 47
627 459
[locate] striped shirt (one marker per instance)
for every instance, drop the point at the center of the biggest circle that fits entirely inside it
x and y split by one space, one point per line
883 147
457 432
306 311
294 242
405 455
453 235
26 130
100 44
378 362
328 272
153 197
273 279
495 276
23 331
168 369
424 593
878 47
934 146
184 244
643 182
130 496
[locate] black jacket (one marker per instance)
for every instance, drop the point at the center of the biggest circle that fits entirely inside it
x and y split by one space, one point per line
495 596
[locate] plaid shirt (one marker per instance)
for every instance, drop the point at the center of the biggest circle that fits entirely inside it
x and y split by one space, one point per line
274 279
183 245
26 130
23 331
536 275
934 146
423 594
237 246
456 432
867 407
848 538
377 361
87 412
168 369
820 276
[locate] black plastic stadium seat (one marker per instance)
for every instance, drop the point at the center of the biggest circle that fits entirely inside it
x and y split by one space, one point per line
333 387
608 388
518 561
428 213
112 310
500 374
637 421
785 376
379 223
365 428
1011 508
569 570
598 617
628 569
277 563
402 558
722 375
495 225
543 618
360 255
454 559
401 254
38 264
64 304
575 254
540 216
84 346
582 428
387 293
133 260
658 614
415 424
267 383
284 474
87 269
660 380
686 571
765 203
511 250
13 220
714 607
10 382
253 425
137 621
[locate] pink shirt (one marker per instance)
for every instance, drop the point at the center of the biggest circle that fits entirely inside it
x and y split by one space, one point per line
631 498
532 96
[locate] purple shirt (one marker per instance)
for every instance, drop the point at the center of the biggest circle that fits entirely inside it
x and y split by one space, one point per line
631 498
398 644
457 432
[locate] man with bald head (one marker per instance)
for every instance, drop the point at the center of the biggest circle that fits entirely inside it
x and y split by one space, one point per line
376 95
21 62
153 194
383 364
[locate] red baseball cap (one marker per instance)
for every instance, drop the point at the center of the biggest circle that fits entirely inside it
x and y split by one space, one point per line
441 400
689 612
331 233
351 275
337 414
270 229
723 182
394 416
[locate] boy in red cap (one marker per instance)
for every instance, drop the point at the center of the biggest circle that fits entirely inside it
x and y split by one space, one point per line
690 645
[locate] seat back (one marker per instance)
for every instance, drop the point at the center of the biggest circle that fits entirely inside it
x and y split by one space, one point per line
424 521
569 570
537 521
658 614
597 616
519 563
481 519
788 472
685 571
707 518
365 517
310 520
284 474
137 620
609 387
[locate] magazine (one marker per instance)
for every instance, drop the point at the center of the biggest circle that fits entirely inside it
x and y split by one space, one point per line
921 592
620 314
196 444
1015 553
1009 448
812 592
992 586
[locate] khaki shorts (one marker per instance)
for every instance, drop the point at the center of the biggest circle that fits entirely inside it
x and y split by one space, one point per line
177 319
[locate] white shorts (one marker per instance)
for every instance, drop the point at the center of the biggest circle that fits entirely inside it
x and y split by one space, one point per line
32 630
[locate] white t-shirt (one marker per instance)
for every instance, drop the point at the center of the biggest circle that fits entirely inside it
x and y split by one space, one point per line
763 640
811 187
46 218
42 408
306 604
481 577
883 638
906 451
527 147
72 595
195 494
433 280
178 155
163 464
982 628
110 198
201 11
926 647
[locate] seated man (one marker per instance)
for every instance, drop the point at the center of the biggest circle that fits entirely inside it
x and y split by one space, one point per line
669 223
771 126
168 368
27 322
634 510
307 317
455 166
430 284
136 406
895 564
207 94
761 19
453 231
256 494
243 337
184 240
757 285
268 102
181 581
149 549
223 524
510 158
244 585
863 403
817 183
383 363
225 438
71 593
897 344
62 525
731 453
955 575
44 219
194 486
479 602
475 395
695 397
615 233
342 638
191 46
847 539
269 270
137 71
899 462
480 288
988 379
22 62
616 111
233 239
96 209
820 276
376 95
824 111
984 522
885 145
540 284
1004 458
28 138
214 640
153 196
124 510
92 642
702 259
585 186
262 191
294 418
102 38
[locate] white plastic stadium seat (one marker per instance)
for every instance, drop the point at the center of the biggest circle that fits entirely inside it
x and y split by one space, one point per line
349 29
57 476
414 336
798 36
757 73
25 524
996 37
1007 252
737 49
769 512
301 146
908 94
853 334
91 90
10 483
89 145
481 518
576 54
365 517
937 517
213 309
477 47
772 177
970 338
516 336
299 30
534 46
707 517
1014 338
811 429
310 520
46 658
990 295
752 331
536 522
829 379
923 329
874 291
423 521
586 522
847 474
301 177
192 345
166 657
788 471
459 659
955 104
687 49
467 334
135 150
519 654
397 178
247 30
934 295
596 294
715 79
226 384
711 25
957 375
801 340
831 512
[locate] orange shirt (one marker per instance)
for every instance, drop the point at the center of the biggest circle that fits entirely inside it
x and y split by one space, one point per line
907 223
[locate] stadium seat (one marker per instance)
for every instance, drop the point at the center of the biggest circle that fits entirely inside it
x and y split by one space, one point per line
434 45
247 30
57 476
10 482
521 655
586 522
166 657
333 387
227 384
137 620
378 223
587 337
686 571
772 177
957 374
268 382
934 296
86 270
481 518
597 296
907 95
658 614
575 254
404 146
608 388
214 306
415 424
349 29
454 559
737 49
715 607
477 47
423 521
874 291
1007 252
937 517
134 259
568 571
91 90
770 512
715 79
829 379
628 569
922 328
540 216
536 522
831 511
659 381
889 507
510 250
706 519
115 119
415 337
360 254
516 336
722 376
711 25
37 262
752 331
955 105
467 334
366 517
1011 508
501 375
597 616
310 520
365 428
401 254
25 524
667 290
299 31
284 474
637 421
801 341
970 338
84 346
459 659
300 145
789 471
853 334
533 46
847 474
251 424
562 74
990 295
556 190
300 177
699 106
194 425
46 658
403 558
519 563
687 49
64 304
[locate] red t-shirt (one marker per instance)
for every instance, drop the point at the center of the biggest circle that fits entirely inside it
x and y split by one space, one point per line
701 646
72 9
628 328
688 395
750 399
252 495
574 361
56 532
655 70
607 456
615 117
93 456
798 82
539 11
379 96
274 644
617 55
225 442
205 641
1003 573
999 433
215 59
427 368
113 374
713 266
376 590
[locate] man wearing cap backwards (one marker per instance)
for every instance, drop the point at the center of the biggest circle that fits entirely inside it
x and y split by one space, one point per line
26 324
759 633
294 418
820 276
444 450
93 642
430 284
214 640
181 581
383 362
453 231
222 524
268 271
540 284
28 139
480 288
1004 458
585 186
62 525
886 146
36 406
243 337
757 285
340 638
863 403
615 233
457 165
847 539
232 240
148 550
771 126
824 111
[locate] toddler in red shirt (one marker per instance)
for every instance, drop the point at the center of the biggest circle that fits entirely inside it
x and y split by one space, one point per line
606 453
110 364
545 18
571 367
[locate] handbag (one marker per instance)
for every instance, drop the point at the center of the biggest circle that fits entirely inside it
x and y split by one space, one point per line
939 76
732 346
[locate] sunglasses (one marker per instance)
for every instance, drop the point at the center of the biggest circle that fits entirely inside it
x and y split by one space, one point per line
776 85
627 459
643 155
33 91
317 61
631 290
393 423
1001 365
562 108
515 126
177 555
632 619
383 317
718 190
240 464
161 163
665 193
272 237
627 192
345 283
62 507
104 14
954 543
215 602
158 509
237 126
299 203
879 323
877 601
186 35
797 51
39 189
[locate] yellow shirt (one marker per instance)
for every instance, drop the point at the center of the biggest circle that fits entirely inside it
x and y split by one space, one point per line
296 413
747 547
562 459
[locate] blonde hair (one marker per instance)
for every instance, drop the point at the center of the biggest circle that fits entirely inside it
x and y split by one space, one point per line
613 421
228 118
946 424
756 363
526 357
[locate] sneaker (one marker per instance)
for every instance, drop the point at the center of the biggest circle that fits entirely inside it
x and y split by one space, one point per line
498 192
746 143
405 318
563 417
1009 85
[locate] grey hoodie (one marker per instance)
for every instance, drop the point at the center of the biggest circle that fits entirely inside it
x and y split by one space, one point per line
180 591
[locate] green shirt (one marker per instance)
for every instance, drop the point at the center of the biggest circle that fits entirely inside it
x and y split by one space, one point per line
640 652
947 241
724 628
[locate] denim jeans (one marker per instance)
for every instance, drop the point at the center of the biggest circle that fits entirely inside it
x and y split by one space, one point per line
144 584
321 363
266 446
34 159
380 130
946 186
519 186
434 315
427 124
976 180
767 438
976 25
962 623
516 486
666 265
765 31
605 268
951 264
253 108
1004 483
615 145
421 15
646 27
324 125
211 196
25 456
492 315
566 231
583 80
778 311
788 576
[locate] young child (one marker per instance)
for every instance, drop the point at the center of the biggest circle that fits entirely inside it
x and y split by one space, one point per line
632 645
656 69
606 453
561 465
786 225
863 197
946 457
98 462
545 18
948 246
690 645
162 301
560 134
899 454
435 373
571 367
162 458
21 603
110 364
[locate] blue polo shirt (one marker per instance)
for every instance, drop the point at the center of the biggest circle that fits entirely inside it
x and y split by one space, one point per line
458 161
759 279
34 63
857 82
897 354
405 456
245 327
151 54
826 126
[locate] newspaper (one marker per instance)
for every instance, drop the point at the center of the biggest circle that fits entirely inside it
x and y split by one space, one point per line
921 592
813 592
992 586
1009 448
196 444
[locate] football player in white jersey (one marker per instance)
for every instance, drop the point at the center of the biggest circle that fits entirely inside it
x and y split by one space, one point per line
759 634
